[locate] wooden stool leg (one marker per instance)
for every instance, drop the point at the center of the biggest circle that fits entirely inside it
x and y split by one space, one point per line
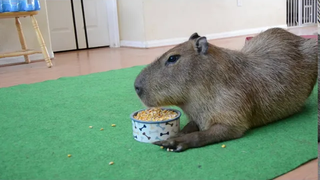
21 38
41 42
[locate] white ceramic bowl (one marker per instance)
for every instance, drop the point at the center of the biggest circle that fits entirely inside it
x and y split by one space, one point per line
151 131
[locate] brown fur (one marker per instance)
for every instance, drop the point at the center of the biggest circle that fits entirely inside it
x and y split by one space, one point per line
318 90
224 92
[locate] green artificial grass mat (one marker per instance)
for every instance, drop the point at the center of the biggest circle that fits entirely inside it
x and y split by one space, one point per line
41 123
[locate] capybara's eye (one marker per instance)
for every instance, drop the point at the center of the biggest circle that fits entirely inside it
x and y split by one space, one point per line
172 59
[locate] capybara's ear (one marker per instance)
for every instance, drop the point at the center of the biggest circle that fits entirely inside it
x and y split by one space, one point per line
202 45
194 36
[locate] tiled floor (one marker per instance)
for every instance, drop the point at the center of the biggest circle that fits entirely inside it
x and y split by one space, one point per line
96 60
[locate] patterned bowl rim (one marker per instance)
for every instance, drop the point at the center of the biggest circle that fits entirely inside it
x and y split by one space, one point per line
155 122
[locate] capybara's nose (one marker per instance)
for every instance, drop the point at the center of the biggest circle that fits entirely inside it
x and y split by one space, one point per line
138 85
138 90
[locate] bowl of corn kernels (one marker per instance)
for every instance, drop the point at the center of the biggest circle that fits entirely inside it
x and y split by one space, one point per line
155 124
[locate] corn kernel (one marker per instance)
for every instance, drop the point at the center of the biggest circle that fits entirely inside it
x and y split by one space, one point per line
223 146
111 163
101 129
113 125
161 147
155 114
69 155
90 127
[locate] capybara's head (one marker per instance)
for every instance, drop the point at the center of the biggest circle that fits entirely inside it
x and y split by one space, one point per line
165 81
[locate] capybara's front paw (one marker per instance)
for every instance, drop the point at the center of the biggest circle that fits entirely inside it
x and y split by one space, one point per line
176 136
173 145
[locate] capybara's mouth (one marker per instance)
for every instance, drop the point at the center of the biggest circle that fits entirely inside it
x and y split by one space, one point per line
148 104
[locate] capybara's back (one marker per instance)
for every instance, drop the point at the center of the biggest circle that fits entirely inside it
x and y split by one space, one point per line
285 71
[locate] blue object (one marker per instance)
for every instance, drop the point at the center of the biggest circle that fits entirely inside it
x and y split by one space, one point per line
36 5
6 5
1 9
10 5
23 5
14 5
26 5
19 5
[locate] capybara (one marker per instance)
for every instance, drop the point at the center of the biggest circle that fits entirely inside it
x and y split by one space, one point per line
223 92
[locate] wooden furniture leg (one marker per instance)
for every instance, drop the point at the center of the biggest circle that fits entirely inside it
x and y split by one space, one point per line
41 42
21 38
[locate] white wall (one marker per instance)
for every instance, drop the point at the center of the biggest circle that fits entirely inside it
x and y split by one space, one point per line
131 20
9 39
151 23
169 22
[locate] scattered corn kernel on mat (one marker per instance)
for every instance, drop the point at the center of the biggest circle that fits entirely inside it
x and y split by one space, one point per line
42 123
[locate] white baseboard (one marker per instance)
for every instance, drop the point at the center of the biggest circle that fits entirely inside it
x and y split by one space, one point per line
175 41
138 44
19 59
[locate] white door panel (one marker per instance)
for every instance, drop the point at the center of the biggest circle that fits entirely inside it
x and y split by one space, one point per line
63 32
96 22
61 25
